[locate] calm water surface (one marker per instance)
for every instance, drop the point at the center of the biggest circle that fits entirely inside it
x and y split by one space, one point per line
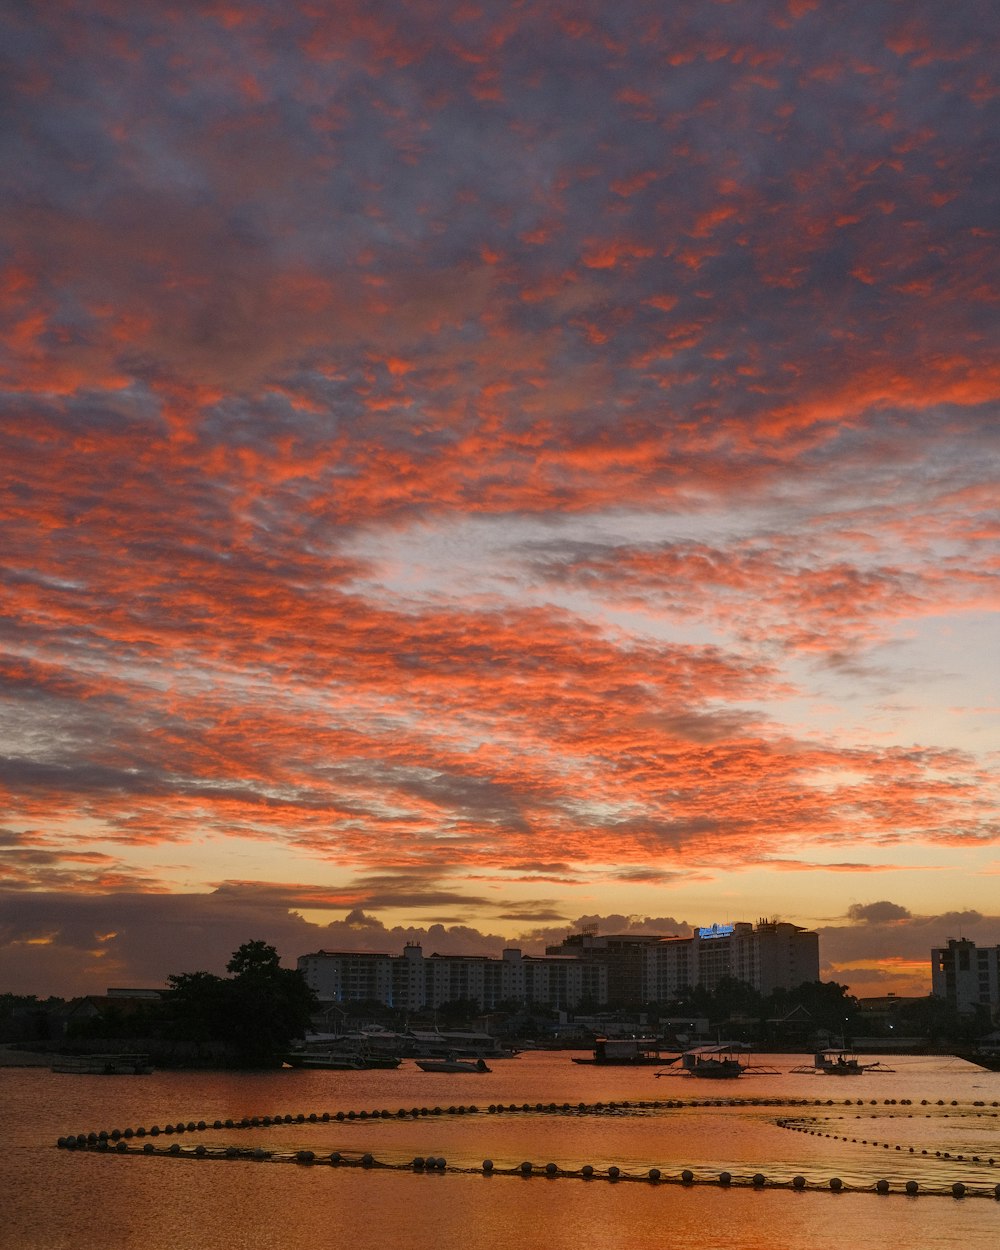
859 1129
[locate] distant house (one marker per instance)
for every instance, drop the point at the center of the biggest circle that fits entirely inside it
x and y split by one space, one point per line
114 1008
796 1025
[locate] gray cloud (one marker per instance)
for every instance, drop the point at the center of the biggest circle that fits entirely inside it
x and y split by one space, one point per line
877 913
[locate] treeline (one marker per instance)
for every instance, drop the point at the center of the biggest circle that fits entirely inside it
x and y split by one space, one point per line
246 1019
827 1006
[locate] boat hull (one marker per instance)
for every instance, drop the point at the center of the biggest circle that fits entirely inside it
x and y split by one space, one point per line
451 1065
104 1065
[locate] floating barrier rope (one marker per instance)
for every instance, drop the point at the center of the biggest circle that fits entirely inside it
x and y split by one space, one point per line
811 1127
125 1142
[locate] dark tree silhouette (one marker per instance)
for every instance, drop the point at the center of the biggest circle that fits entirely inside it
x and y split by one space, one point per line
256 1012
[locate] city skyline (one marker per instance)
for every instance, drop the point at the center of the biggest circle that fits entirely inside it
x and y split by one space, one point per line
476 470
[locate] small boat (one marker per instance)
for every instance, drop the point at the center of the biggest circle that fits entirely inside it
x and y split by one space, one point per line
715 1063
452 1064
624 1051
334 1060
104 1065
840 1062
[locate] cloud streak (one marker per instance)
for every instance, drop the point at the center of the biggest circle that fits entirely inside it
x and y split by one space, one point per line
460 452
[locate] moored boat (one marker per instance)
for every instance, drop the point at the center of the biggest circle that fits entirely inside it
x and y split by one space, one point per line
713 1062
624 1051
452 1064
720 1062
339 1060
104 1065
840 1062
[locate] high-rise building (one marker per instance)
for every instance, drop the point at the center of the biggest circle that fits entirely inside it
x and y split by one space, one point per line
967 976
653 968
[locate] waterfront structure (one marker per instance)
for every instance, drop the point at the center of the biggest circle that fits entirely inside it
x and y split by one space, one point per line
967 976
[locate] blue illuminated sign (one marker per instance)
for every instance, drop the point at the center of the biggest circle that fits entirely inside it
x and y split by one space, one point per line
717 930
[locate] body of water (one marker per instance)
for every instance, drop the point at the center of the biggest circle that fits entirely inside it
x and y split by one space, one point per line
934 1121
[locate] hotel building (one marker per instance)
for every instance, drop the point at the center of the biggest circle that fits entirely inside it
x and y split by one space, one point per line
651 968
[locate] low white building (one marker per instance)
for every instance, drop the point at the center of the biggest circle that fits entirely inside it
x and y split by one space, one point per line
413 981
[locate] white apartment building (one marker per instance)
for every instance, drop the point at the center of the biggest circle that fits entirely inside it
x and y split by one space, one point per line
967 975
413 981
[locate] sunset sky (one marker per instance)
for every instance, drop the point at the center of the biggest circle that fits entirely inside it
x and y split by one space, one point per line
471 468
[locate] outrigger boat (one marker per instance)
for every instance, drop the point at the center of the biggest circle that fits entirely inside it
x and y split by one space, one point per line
840 1062
717 1063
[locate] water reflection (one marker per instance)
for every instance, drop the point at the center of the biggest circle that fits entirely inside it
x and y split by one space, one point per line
898 1128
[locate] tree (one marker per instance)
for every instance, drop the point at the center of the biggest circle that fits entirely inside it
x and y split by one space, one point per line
254 959
256 1012
931 1017
196 1007
735 997
270 1005
457 1011
828 1003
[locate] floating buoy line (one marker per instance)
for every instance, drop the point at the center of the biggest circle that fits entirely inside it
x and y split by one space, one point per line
145 1142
